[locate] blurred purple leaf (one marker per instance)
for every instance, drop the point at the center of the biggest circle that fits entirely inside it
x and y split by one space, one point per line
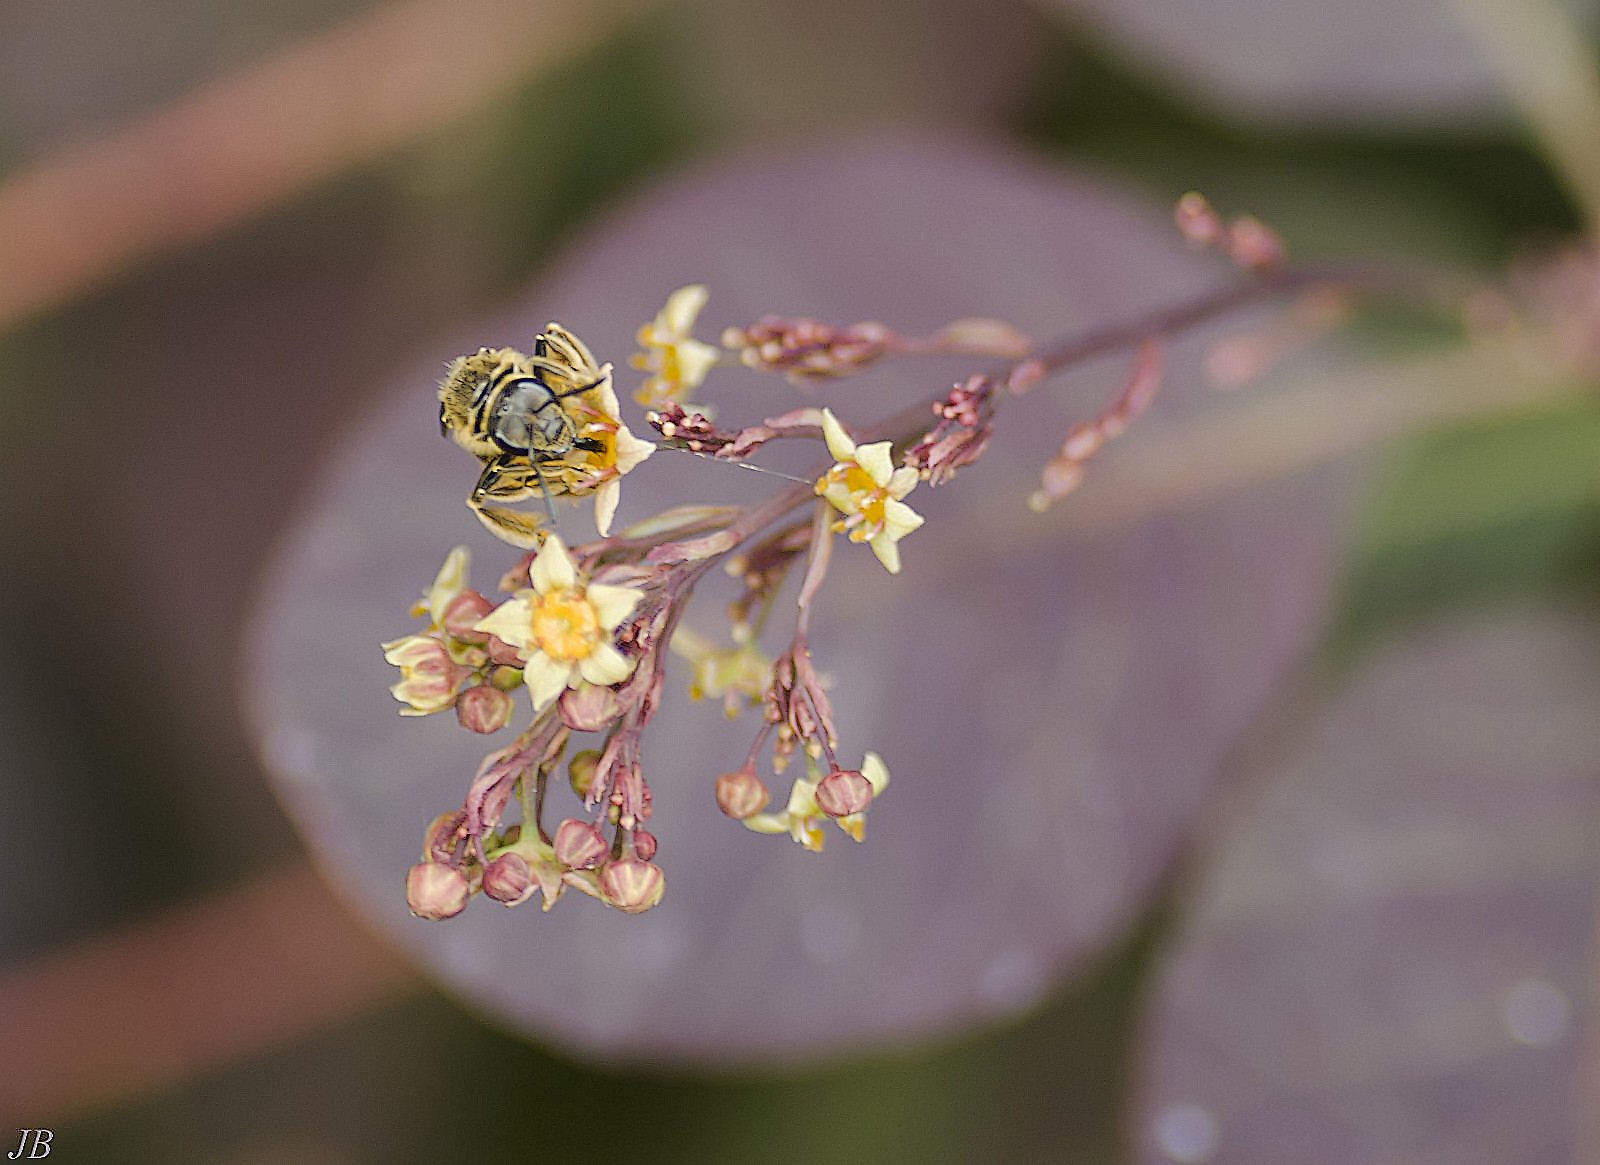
1406 62
1392 959
1052 719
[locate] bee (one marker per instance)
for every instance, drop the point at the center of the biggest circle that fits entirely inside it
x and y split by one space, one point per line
510 411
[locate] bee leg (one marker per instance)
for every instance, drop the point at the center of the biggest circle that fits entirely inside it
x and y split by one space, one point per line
519 529
589 444
544 490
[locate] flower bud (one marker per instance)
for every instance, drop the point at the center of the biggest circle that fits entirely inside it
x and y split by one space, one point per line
435 891
631 885
580 845
581 769
741 794
1253 245
428 676
644 844
507 679
1197 219
589 707
843 792
502 652
462 615
508 880
484 709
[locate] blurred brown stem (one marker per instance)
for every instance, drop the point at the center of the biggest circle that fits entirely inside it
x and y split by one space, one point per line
269 132
170 997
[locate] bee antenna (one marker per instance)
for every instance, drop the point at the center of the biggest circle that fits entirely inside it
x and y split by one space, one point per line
740 464
579 391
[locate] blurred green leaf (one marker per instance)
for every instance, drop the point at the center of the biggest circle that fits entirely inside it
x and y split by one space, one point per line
1473 515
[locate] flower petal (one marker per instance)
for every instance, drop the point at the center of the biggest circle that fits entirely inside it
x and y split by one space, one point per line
614 604
695 360
552 568
605 505
512 620
450 582
888 553
839 443
875 459
683 307
606 399
630 450
546 678
876 772
411 650
902 482
900 519
605 665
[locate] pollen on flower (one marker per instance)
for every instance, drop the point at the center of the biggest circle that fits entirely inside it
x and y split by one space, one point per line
866 488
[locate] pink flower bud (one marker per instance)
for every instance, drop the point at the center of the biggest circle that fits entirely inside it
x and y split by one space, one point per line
741 794
581 769
508 880
644 844
484 709
631 885
502 652
435 891
580 845
1253 245
589 707
843 792
464 611
1197 220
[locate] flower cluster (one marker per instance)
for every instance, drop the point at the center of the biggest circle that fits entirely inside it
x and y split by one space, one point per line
588 629
960 436
454 664
808 350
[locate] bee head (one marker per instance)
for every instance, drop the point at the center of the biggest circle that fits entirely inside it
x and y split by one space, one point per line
467 382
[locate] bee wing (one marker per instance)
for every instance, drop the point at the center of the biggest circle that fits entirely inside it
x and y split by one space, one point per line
562 345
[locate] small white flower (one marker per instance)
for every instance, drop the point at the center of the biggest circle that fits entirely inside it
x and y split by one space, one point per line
565 627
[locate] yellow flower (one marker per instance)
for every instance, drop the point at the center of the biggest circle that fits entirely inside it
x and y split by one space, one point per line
564 626
864 486
678 361
802 818
600 472
735 674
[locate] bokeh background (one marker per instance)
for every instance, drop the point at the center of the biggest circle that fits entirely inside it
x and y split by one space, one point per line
232 234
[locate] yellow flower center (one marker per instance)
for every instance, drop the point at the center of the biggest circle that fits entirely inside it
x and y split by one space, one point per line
564 625
856 480
868 500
